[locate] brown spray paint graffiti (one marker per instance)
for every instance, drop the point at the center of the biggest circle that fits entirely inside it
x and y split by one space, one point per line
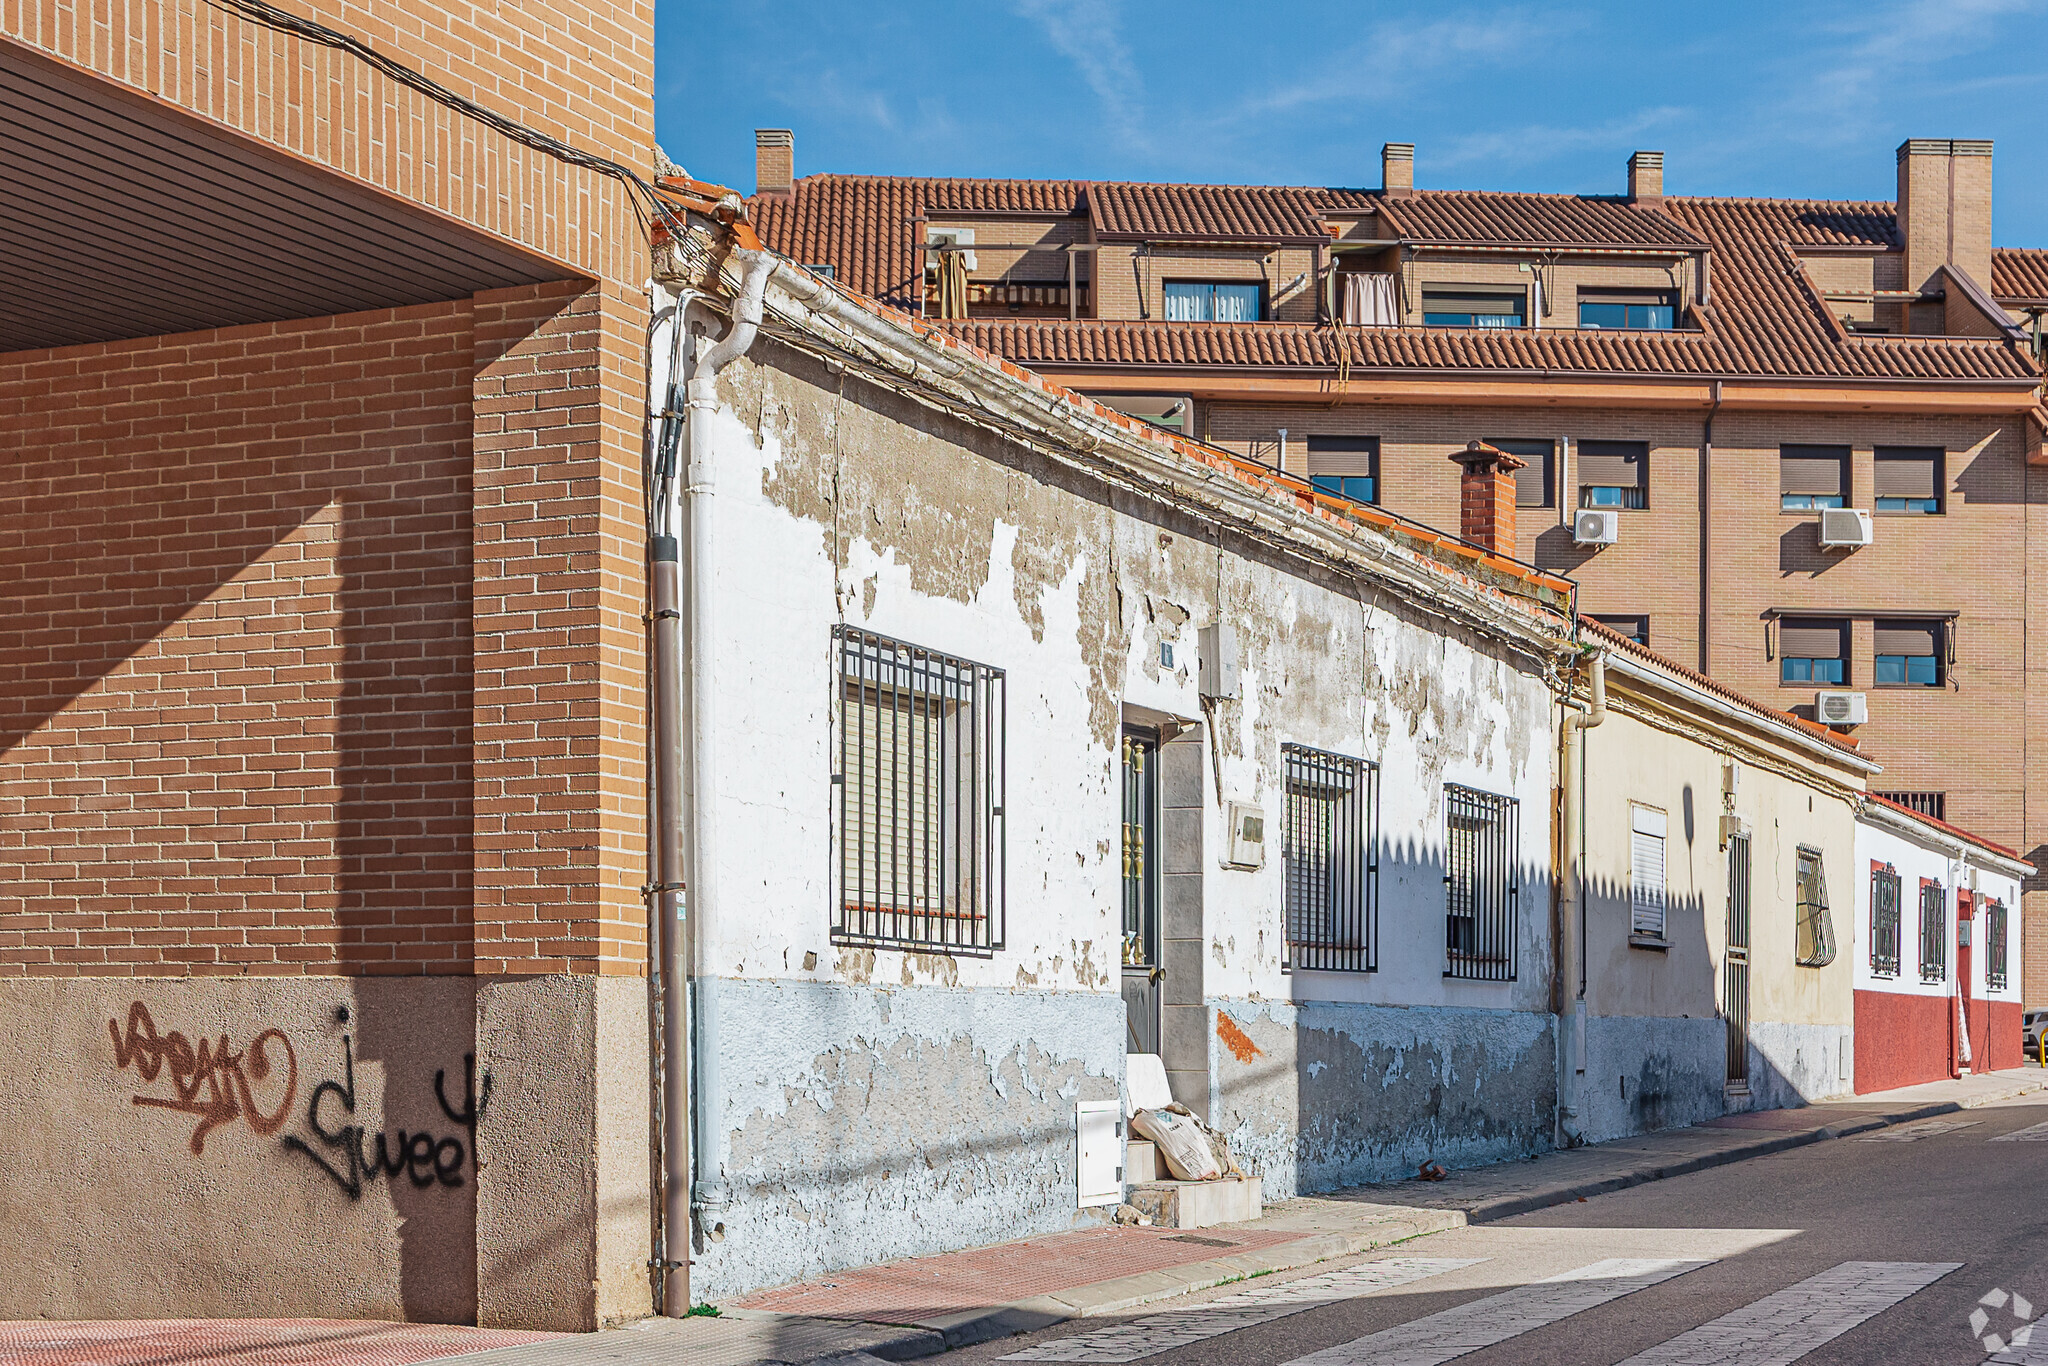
222 1073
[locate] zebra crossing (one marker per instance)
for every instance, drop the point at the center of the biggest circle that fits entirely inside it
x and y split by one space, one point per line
1775 1330
2033 1133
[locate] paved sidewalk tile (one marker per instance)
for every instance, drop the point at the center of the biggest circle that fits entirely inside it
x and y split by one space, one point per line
244 1342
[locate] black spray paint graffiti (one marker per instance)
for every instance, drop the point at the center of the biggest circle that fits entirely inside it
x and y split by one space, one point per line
423 1158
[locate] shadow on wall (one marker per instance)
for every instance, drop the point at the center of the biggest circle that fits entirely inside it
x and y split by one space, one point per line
1800 552
1555 549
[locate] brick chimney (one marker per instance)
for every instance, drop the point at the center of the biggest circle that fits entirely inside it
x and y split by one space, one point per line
1486 496
1397 170
774 160
1646 179
1945 208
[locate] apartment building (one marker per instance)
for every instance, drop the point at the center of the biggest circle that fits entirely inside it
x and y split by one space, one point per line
1796 444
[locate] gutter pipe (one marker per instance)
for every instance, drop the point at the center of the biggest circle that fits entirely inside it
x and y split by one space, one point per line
685 837
1571 957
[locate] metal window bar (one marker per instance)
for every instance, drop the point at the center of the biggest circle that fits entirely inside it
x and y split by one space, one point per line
919 798
1482 900
1140 861
1885 897
1735 968
1816 928
1994 946
1933 932
1328 840
1933 804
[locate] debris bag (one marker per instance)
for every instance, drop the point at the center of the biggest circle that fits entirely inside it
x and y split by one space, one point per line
1182 1144
1219 1146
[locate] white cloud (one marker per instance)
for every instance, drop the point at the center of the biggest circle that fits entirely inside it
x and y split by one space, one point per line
1540 142
1845 94
1087 33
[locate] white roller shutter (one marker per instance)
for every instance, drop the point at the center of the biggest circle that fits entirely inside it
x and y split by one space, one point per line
1646 871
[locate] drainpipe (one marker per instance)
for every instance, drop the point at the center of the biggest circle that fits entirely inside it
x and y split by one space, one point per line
1707 535
1571 957
682 595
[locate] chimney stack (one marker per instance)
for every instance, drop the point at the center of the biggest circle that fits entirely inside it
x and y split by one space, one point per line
774 160
1945 209
1397 170
1646 179
1486 496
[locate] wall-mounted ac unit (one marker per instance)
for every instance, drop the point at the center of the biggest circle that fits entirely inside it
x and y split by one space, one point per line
1840 708
948 237
1596 526
1845 528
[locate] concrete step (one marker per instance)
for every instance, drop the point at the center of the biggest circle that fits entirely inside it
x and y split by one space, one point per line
1141 1161
1199 1204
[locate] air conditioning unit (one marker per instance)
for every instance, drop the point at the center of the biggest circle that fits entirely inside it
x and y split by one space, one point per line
1840 708
1596 526
1845 528
949 237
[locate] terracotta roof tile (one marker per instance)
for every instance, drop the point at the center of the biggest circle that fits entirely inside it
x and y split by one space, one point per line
1542 220
1266 213
2019 276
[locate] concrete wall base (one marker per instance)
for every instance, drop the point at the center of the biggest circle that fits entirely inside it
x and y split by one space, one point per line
1792 1064
1647 1072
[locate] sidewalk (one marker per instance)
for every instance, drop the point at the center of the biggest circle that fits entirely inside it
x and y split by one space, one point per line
898 1311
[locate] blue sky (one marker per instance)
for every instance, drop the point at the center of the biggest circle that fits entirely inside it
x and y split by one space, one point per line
1763 99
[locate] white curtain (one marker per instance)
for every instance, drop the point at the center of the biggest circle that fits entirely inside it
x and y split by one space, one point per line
1371 300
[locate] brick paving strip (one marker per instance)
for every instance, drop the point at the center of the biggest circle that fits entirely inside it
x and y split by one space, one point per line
245 1342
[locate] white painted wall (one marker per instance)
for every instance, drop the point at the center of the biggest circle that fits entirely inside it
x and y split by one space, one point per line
1933 857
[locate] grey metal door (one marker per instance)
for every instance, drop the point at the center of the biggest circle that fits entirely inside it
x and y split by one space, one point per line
1142 973
1735 969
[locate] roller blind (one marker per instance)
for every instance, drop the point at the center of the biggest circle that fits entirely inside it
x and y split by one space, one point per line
1908 638
1343 454
1813 469
1809 638
1646 871
1532 481
1613 464
897 799
1906 472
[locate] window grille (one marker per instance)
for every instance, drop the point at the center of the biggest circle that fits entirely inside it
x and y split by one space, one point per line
1481 897
1884 921
1994 945
1933 804
1816 948
1327 838
1933 932
1646 884
919 798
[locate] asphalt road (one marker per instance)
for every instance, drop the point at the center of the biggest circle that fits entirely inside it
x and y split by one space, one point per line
1874 1249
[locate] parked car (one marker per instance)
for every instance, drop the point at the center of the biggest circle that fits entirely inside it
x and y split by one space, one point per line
2035 1022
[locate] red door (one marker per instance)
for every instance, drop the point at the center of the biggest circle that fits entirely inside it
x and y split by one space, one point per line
1965 933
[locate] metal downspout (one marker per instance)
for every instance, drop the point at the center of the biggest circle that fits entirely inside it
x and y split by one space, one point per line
1571 957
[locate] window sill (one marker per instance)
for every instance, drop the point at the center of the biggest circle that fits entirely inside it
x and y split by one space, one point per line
1909 687
1882 512
1647 941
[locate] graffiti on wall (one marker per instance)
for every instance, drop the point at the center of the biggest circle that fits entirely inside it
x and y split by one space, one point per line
217 1085
212 1081
425 1158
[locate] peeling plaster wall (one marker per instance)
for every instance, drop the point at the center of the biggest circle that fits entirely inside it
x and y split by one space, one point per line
1647 1072
855 1123
1322 1095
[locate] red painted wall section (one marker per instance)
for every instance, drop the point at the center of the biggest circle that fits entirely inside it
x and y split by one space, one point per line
1901 1040
1995 1035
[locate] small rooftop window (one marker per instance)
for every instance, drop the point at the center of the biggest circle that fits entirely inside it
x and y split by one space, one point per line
1205 301
1452 307
1643 309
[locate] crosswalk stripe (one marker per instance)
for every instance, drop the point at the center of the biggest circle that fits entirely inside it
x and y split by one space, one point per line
1254 1305
1445 1336
1785 1326
1913 1133
2033 1133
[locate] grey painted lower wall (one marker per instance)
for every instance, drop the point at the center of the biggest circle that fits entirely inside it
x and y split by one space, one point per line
1791 1064
852 1124
1318 1095
1651 1072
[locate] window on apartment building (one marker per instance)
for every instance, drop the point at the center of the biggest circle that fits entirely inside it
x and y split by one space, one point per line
1995 945
1212 301
1646 885
1482 898
1933 931
919 779
1614 474
1347 466
1171 411
1811 477
1885 894
821 269
1907 480
1636 628
1908 654
1630 308
1332 879
1533 480
1816 927
1453 306
1813 650
1933 804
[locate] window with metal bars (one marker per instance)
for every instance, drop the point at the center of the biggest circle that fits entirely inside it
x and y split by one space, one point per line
918 797
1816 929
1885 895
1995 945
1481 897
1328 841
1933 804
1933 932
